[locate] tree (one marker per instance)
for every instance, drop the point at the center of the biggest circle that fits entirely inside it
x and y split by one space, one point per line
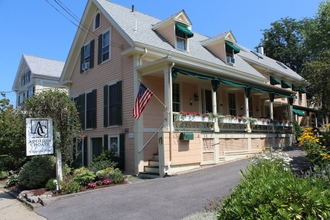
284 42
317 34
317 75
57 105
12 133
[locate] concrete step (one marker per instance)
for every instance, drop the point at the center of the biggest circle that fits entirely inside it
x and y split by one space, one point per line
146 175
155 157
154 163
151 169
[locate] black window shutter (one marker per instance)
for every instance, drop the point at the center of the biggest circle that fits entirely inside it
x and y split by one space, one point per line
81 59
105 141
122 150
85 151
94 119
119 103
82 110
105 105
91 59
99 54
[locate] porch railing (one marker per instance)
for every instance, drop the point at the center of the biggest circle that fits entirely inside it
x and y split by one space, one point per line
200 123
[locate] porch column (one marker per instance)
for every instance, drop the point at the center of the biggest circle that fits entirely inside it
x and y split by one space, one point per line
271 111
167 101
215 110
138 125
246 104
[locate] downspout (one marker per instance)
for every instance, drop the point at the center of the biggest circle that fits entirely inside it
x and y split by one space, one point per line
171 113
143 55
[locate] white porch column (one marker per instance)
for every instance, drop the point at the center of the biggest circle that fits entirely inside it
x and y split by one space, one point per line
215 110
247 114
138 125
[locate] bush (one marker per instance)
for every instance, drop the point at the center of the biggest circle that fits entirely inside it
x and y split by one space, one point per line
83 176
100 165
50 184
68 187
116 176
267 191
4 174
37 171
12 180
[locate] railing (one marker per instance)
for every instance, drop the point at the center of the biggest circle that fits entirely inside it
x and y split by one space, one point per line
151 137
200 123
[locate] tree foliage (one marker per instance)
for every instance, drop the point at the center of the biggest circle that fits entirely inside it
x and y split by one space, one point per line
12 133
284 42
57 105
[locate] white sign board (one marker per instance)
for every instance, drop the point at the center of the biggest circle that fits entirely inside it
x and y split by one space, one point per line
39 136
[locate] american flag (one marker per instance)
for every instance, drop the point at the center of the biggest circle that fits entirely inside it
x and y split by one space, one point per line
141 101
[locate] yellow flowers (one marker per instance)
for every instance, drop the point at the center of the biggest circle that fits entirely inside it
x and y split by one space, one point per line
308 136
325 156
263 148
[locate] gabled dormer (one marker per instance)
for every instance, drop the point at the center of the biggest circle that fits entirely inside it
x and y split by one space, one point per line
223 46
176 30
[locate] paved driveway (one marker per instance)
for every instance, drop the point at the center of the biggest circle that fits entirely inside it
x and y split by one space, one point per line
164 198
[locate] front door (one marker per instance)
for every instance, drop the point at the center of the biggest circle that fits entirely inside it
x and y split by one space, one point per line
208 101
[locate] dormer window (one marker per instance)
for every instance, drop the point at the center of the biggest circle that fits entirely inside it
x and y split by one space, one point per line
182 34
231 50
97 22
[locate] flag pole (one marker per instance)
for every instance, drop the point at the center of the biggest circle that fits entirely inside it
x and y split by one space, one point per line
156 97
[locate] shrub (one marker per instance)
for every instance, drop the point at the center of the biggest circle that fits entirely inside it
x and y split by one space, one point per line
83 176
267 191
69 186
116 176
100 165
50 184
12 180
37 171
4 174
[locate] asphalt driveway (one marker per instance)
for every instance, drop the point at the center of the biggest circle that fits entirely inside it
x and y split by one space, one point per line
172 197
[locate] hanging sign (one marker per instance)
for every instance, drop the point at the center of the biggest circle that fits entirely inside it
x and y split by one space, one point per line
39 136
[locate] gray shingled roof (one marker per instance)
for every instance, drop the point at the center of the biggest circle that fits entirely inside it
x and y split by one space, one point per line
45 67
144 34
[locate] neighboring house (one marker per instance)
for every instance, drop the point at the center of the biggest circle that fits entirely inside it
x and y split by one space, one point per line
191 74
36 74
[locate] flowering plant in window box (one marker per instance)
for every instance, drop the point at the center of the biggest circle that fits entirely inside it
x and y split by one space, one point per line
262 121
194 117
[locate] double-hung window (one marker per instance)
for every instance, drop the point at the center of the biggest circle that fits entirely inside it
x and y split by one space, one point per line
112 95
86 107
104 47
87 56
232 103
182 34
181 41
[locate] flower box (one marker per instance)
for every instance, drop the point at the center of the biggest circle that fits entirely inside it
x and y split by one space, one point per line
193 118
260 122
232 121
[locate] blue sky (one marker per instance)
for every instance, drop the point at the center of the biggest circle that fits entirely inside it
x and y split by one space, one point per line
35 28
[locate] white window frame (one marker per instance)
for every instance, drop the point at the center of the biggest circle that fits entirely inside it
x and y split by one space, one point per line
103 46
95 18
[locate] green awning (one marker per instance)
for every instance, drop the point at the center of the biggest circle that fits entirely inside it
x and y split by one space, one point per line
274 81
285 84
230 47
298 112
303 90
190 73
181 29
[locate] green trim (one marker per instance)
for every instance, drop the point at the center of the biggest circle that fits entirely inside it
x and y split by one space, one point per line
186 136
298 112
181 29
274 81
303 90
285 84
230 47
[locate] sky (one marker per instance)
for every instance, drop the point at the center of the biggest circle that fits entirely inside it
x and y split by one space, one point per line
42 28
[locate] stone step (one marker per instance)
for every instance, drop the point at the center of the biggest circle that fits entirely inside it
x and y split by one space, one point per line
155 157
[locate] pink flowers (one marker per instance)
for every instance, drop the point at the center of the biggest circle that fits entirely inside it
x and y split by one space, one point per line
106 182
91 185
